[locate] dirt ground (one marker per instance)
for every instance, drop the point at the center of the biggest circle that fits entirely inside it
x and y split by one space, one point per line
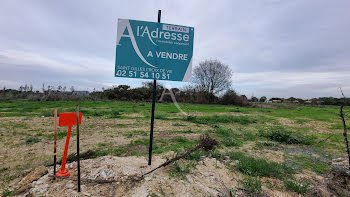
210 177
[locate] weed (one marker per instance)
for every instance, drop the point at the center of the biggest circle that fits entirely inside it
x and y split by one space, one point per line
259 167
223 132
176 124
185 131
59 134
120 125
102 144
98 113
32 140
115 114
182 170
195 155
298 186
129 135
161 117
7 193
252 185
280 134
267 144
301 121
232 142
176 144
18 125
233 138
179 139
215 154
309 162
235 110
162 191
47 113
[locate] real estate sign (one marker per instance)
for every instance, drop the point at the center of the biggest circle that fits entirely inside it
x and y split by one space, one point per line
150 50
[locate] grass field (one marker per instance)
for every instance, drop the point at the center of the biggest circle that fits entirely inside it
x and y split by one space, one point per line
280 142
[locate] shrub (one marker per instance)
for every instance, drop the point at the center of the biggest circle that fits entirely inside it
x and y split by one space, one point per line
232 98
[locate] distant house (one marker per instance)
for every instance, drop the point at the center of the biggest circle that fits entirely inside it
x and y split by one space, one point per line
308 102
81 93
276 101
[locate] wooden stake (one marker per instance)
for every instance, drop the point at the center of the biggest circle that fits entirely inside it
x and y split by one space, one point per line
345 133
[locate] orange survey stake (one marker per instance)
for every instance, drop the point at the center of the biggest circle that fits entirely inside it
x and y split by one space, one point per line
67 119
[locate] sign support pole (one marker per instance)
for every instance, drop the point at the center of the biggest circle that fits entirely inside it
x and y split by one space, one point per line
153 107
54 144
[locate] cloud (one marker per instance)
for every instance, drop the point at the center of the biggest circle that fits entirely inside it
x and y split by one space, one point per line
288 84
275 47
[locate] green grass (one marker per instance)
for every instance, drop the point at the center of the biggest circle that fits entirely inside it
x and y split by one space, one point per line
309 162
135 133
7 193
298 186
237 137
184 131
104 108
215 119
59 135
259 167
181 170
267 144
178 124
32 140
301 121
176 144
281 134
139 147
115 114
252 185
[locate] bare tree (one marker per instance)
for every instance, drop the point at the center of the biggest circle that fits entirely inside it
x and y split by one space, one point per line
212 76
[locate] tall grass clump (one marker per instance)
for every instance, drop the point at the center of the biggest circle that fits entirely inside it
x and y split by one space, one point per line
298 186
280 134
252 185
259 167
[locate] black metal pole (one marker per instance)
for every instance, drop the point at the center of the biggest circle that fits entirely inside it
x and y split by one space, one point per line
153 107
54 145
78 155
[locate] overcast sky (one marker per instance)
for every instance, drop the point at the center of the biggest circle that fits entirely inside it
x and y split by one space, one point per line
279 48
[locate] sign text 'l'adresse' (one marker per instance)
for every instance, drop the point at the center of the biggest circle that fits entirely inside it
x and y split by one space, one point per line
151 50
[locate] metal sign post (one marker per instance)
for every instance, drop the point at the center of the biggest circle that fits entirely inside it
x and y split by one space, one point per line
54 144
153 108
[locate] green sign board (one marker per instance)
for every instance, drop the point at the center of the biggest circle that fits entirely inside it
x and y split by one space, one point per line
150 50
